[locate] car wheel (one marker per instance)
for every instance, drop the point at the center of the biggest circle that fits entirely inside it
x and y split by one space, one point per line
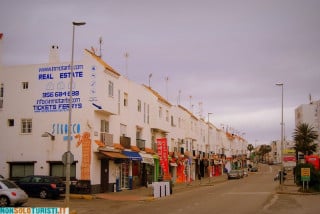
43 194
4 201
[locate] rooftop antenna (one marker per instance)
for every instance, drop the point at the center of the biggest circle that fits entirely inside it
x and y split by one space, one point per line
200 109
150 75
190 98
310 99
179 96
126 56
167 80
100 44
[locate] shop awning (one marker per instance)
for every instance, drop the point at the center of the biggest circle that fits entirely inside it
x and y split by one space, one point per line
114 155
147 158
132 155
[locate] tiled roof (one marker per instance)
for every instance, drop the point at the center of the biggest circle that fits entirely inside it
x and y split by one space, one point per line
103 63
192 115
160 98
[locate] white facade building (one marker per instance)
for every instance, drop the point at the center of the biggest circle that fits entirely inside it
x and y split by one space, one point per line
115 126
310 114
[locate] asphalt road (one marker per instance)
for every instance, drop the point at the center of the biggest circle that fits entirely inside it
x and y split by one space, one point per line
253 194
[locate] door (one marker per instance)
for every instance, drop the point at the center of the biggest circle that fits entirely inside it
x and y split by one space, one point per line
104 180
124 175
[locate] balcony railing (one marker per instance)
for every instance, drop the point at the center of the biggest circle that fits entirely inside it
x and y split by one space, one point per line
106 138
141 144
125 142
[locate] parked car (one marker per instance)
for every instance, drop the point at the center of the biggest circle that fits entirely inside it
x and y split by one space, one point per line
245 173
11 194
42 186
234 174
241 173
253 169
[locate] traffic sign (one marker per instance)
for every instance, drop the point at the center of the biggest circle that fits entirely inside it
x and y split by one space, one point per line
65 156
305 174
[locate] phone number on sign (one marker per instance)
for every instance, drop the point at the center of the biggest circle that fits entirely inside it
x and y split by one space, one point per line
60 94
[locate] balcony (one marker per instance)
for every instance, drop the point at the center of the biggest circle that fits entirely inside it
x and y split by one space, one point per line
106 138
141 144
125 142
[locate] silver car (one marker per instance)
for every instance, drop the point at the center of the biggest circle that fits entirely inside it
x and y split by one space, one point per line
11 194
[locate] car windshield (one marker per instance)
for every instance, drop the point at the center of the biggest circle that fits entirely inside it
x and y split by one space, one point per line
9 184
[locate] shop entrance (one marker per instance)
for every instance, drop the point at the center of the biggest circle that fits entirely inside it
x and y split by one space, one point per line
105 175
124 175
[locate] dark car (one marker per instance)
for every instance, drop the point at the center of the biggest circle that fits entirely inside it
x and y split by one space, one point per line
42 186
253 169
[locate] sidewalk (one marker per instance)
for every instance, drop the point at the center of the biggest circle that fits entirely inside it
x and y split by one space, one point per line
289 187
146 194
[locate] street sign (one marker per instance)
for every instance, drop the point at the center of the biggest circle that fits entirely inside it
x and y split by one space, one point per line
65 156
65 138
305 174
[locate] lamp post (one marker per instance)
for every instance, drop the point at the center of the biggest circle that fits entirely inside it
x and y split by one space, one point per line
210 171
209 129
68 165
281 141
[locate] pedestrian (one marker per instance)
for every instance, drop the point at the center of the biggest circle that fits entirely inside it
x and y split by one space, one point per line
199 176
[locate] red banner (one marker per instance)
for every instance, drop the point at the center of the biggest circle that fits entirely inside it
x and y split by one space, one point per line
163 154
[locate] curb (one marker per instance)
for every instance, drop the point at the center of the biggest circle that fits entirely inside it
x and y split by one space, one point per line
80 196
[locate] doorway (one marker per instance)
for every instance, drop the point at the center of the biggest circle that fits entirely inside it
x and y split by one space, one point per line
124 175
104 180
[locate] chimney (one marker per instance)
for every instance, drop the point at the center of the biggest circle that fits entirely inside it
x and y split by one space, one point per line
54 54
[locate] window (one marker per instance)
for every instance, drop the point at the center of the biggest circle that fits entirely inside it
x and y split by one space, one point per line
160 112
125 99
172 122
139 105
110 89
59 169
144 112
1 95
138 133
119 101
19 170
10 122
104 126
167 115
148 116
123 130
25 85
26 126
1 90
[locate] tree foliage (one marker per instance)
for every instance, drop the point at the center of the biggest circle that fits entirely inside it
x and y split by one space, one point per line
304 137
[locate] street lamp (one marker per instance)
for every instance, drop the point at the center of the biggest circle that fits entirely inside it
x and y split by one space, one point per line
281 141
210 171
209 129
68 165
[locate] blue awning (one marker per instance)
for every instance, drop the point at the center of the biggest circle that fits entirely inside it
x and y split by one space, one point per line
132 155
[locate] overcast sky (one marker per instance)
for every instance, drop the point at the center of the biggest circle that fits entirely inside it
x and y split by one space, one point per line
227 54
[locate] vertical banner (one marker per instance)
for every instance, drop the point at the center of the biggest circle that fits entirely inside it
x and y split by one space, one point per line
163 154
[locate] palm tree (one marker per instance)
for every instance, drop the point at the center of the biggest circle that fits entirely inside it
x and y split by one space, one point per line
304 137
250 148
267 150
264 149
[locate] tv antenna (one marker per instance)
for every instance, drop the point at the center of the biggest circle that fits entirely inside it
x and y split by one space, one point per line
100 44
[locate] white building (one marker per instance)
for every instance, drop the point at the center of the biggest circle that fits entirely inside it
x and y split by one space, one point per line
310 114
115 126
